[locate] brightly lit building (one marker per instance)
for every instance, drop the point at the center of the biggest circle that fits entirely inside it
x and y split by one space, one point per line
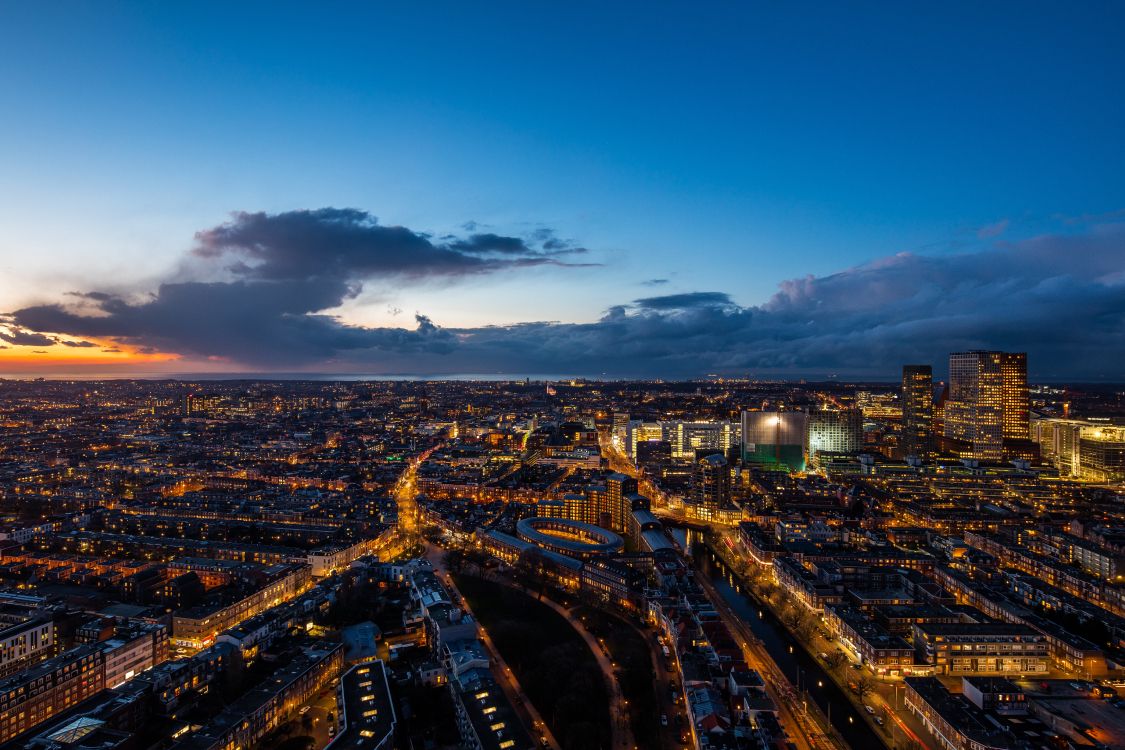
775 438
710 486
987 402
917 410
686 438
1101 453
836 431
641 432
1058 441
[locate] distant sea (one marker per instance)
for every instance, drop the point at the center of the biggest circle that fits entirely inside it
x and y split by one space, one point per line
318 376
194 377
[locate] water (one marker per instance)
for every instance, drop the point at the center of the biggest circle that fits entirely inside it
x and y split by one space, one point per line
796 663
95 373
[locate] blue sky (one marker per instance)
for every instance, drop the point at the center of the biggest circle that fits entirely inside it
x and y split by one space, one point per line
726 147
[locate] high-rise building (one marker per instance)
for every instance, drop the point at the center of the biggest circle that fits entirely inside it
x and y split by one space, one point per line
917 410
775 438
838 431
620 426
688 437
1092 450
1013 393
641 432
711 482
987 402
617 503
1101 453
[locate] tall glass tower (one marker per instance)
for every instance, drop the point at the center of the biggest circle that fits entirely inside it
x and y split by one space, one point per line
917 410
987 401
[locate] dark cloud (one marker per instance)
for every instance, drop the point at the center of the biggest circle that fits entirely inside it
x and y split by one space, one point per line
76 344
684 301
654 282
284 270
260 323
21 337
1059 297
481 244
346 243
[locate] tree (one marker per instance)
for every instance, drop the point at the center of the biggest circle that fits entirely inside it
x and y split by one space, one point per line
835 660
454 560
531 569
863 687
477 558
804 626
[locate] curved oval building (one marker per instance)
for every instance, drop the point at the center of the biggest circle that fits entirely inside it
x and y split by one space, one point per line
571 538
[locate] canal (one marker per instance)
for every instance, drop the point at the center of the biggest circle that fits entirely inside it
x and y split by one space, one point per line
804 672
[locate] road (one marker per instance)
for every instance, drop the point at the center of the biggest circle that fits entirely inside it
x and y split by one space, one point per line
320 718
807 728
405 492
898 721
669 681
621 463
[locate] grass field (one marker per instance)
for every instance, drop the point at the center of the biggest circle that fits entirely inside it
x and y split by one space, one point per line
550 659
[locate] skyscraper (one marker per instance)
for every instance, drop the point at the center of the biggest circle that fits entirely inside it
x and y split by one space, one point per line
917 410
837 431
987 401
711 482
1013 391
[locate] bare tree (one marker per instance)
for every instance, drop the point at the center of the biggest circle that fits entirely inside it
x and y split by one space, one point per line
835 660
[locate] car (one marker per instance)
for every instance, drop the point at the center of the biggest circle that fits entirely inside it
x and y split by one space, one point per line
879 720
304 710
869 710
823 655
663 720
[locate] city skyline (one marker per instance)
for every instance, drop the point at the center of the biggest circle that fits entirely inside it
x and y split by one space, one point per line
752 192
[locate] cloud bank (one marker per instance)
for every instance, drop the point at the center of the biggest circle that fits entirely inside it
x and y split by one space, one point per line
1059 297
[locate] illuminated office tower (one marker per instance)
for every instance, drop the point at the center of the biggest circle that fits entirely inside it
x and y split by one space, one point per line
1013 388
838 431
987 402
637 432
688 437
711 482
917 410
617 506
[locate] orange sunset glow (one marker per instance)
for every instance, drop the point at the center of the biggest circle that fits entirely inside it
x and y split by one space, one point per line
30 358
